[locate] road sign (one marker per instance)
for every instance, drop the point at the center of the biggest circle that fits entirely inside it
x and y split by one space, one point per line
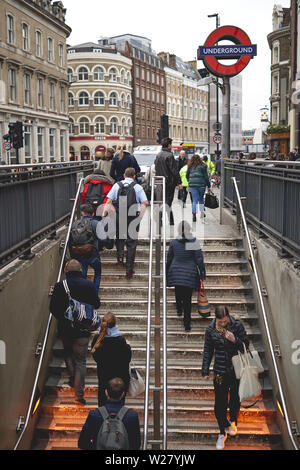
7 145
241 49
217 126
217 138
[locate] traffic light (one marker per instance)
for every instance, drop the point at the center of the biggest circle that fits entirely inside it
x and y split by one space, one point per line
15 130
158 140
164 126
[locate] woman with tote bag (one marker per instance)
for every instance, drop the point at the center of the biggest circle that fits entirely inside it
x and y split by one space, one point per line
224 337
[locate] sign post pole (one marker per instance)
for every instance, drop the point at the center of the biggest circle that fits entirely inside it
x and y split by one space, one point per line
226 139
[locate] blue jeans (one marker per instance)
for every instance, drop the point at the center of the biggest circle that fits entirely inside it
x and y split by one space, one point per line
198 196
95 262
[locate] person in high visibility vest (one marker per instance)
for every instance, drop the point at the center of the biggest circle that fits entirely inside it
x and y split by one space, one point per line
210 166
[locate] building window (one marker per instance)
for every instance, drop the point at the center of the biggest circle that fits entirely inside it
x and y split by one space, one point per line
61 55
51 143
62 143
12 84
191 112
113 126
191 133
99 98
128 101
50 50
137 91
113 99
71 126
70 99
100 126
83 74
83 99
38 41
142 73
27 141
70 75
26 88
83 126
123 127
40 92
98 74
113 75
10 29
52 96
137 71
123 100
25 36
185 110
62 99
122 77
40 139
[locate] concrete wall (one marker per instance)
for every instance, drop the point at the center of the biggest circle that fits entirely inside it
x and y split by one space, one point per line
282 304
24 301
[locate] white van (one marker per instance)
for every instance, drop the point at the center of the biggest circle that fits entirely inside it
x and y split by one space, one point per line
145 156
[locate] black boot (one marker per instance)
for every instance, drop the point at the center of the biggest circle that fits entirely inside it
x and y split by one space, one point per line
171 218
194 218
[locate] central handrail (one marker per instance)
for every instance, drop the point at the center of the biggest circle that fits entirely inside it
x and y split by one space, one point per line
261 301
49 322
154 181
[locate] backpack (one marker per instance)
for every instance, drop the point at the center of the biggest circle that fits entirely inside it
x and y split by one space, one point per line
82 237
94 194
112 435
81 315
127 191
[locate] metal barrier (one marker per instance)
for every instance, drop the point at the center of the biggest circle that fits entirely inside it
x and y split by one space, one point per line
265 318
272 190
23 425
157 441
34 203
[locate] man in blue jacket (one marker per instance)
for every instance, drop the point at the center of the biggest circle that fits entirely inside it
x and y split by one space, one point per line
115 392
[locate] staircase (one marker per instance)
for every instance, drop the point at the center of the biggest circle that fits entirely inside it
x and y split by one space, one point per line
191 421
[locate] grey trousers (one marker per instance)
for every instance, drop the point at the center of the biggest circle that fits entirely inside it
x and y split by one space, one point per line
75 351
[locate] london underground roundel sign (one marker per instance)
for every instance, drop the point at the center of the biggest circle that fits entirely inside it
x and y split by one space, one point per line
242 50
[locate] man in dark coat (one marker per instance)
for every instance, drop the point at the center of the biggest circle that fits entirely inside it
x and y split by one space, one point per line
115 391
181 161
165 165
224 337
75 341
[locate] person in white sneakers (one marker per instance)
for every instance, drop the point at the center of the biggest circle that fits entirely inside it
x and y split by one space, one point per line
224 337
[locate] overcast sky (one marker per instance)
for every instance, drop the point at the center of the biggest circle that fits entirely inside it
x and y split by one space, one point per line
179 27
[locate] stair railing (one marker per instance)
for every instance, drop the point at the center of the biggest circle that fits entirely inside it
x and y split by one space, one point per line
157 192
22 425
261 301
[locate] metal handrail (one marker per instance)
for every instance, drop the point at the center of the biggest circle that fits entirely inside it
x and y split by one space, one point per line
49 323
148 346
261 301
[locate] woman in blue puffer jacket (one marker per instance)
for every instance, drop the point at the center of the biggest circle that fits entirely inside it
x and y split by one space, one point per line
185 268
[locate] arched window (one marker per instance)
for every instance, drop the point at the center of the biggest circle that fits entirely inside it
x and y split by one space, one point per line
128 101
83 125
100 125
123 100
113 99
128 128
113 125
123 126
99 99
83 74
98 74
122 76
113 75
85 153
83 98
71 99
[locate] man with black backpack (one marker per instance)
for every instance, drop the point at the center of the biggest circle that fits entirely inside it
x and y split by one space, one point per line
83 243
130 202
113 426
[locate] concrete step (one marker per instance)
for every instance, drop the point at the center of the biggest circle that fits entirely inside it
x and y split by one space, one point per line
215 241
221 253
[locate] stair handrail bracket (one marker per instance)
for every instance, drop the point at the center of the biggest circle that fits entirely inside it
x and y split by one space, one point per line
158 185
263 310
46 336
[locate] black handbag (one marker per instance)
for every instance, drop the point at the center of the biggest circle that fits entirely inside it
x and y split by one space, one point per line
211 201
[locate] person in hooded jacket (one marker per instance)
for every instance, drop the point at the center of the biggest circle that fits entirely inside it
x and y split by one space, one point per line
224 337
97 177
112 353
185 269
120 162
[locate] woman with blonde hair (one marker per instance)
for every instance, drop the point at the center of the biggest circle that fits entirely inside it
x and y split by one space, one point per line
112 354
105 161
121 161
